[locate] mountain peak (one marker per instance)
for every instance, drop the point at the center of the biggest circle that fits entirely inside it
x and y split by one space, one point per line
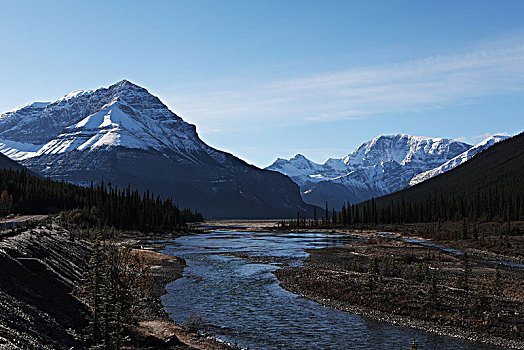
124 81
405 149
404 137
459 159
299 156
125 87
119 88
493 138
126 135
379 166
125 84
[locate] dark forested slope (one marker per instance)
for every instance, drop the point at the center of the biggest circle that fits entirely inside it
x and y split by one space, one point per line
100 206
8 163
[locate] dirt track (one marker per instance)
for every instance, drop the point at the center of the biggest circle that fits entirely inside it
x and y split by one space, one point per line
24 218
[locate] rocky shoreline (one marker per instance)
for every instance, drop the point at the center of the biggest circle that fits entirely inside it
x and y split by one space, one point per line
155 328
287 282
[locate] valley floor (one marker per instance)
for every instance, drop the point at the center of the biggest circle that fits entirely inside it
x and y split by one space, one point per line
377 275
41 274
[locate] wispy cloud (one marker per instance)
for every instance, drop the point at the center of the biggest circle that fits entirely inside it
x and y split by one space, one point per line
411 86
479 138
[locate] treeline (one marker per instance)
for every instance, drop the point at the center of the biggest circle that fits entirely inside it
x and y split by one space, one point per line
493 205
88 207
128 210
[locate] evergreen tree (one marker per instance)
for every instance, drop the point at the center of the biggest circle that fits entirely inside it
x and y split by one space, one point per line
6 203
371 275
94 285
326 218
495 287
466 267
117 281
478 300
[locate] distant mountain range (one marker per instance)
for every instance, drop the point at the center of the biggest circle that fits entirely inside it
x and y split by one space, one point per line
124 135
378 167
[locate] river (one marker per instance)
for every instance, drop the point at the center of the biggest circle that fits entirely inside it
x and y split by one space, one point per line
229 281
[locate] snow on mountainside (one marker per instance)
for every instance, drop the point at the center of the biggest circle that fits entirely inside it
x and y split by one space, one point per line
122 115
124 135
299 169
379 166
456 161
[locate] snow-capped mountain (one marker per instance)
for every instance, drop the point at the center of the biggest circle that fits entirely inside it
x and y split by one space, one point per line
123 115
379 166
456 161
122 134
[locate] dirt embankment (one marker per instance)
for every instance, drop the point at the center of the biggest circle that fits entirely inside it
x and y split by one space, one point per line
39 269
390 280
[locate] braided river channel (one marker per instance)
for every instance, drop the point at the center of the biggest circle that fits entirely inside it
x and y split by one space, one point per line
229 281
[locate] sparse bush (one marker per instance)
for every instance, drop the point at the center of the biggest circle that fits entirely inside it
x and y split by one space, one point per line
195 324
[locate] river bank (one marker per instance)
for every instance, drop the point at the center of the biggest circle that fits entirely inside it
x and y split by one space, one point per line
155 329
396 290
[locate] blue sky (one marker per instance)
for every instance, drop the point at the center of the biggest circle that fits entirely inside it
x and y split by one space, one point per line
268 79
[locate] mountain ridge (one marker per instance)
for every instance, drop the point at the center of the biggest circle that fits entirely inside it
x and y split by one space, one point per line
379 166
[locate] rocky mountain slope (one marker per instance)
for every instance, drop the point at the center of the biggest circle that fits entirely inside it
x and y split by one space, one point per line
378 167
125 135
